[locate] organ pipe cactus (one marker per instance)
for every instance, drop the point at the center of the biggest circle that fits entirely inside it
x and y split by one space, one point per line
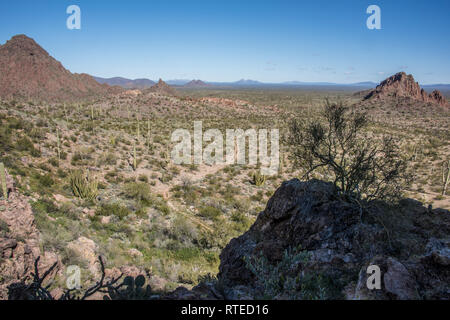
83 186
3 181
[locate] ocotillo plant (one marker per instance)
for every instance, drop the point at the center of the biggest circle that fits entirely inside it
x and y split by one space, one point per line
445 176
3 181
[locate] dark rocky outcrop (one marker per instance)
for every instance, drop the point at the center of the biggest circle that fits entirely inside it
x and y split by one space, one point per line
409 243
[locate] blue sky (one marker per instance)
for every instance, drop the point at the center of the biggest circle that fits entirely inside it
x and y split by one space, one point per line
270 41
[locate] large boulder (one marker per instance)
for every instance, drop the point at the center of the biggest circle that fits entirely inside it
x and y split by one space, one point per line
339 239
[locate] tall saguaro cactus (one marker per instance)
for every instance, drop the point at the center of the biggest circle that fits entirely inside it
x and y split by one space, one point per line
445 176
3 181
134 156
148 134
58 146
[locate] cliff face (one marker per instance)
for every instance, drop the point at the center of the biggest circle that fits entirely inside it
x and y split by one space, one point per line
29 72
309 244
403 85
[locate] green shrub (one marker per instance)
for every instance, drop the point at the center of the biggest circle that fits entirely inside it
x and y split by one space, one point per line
138 191
210 212
115 209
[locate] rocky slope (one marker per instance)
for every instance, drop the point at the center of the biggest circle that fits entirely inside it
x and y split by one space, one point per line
306 244
29 72
403 85
331 248
19 241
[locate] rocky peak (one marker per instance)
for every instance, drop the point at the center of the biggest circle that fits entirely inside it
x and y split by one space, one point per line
404 85
29 72
163 88
21 44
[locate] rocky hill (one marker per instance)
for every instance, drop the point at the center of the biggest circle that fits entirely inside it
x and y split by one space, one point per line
29 72
162 88
403 85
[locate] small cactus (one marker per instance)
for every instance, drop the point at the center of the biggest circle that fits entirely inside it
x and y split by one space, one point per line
3 181
258 179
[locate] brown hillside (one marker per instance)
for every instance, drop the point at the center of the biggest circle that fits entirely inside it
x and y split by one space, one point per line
29 72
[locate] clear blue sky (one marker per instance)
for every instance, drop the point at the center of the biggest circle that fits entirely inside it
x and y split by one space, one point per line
214 40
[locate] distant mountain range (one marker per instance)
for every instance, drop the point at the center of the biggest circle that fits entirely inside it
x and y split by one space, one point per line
126 83
243 83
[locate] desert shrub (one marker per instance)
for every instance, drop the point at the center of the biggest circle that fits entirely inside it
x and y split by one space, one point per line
54 162
4 228
359 165
143 178
107 159
82 185
210 212
284 279
138 191
45 180
242 222
183 230
25 144
115 209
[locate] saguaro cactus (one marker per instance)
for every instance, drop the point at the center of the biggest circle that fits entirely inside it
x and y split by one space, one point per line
445 176
134 156
148 134
3 181
58 147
